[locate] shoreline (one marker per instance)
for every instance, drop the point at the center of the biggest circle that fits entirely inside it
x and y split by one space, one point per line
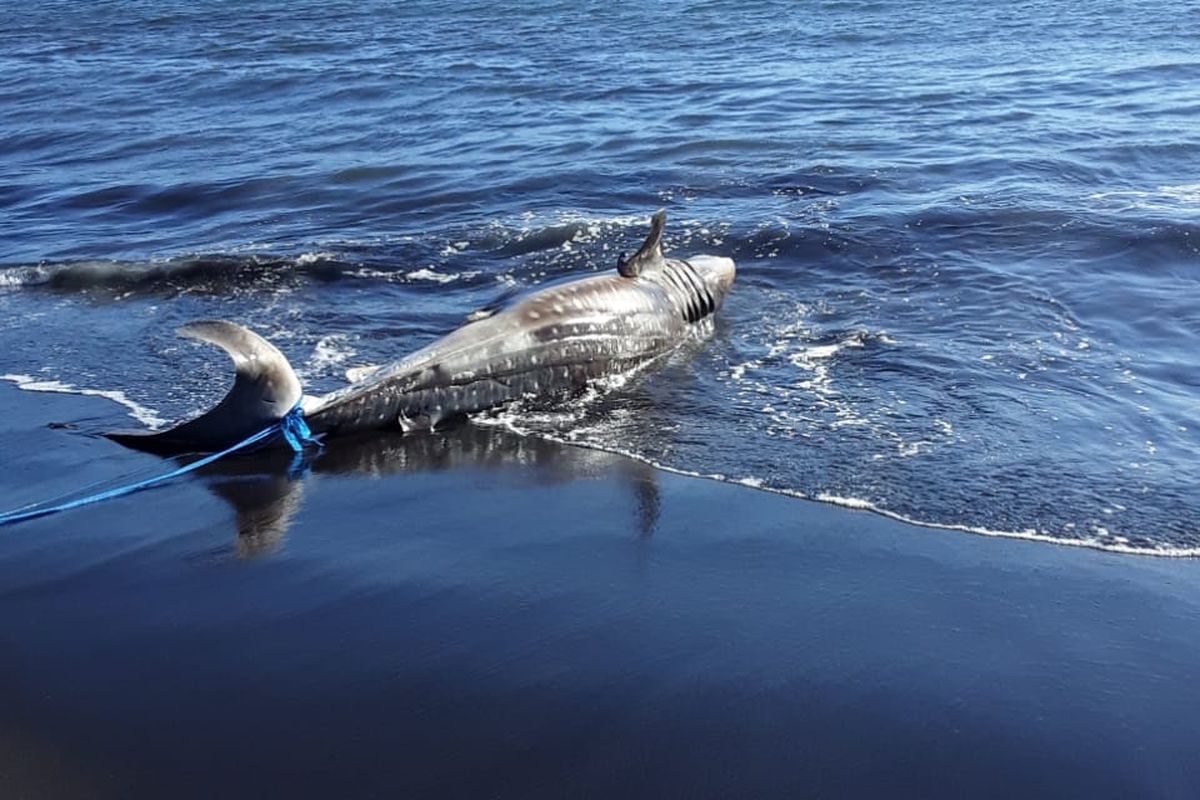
856 504
146 417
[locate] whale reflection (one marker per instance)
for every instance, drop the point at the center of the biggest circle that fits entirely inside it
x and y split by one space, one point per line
266 489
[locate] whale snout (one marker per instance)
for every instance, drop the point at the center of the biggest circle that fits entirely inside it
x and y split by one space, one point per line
718 273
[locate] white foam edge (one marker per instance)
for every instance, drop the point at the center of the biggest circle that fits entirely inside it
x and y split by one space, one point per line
592 226
146 416
858 504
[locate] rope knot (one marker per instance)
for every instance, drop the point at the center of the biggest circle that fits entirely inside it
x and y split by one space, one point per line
296 431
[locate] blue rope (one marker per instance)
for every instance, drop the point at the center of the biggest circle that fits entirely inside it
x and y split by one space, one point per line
294 429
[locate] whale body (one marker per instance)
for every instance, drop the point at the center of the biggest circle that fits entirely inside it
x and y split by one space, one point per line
553 340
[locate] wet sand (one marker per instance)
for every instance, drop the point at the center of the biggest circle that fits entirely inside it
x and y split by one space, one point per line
477 615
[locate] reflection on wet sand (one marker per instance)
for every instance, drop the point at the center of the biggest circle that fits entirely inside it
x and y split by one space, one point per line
265 505
266 489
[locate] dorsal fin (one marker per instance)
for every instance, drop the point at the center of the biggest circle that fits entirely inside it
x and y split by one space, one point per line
650 256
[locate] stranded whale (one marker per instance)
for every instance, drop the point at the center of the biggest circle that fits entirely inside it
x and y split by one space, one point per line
552 340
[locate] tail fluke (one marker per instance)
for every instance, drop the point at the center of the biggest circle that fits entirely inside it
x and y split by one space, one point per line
264 390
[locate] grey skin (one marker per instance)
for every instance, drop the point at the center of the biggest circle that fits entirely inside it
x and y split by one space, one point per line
551 341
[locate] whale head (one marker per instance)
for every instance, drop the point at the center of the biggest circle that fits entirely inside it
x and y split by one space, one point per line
696 286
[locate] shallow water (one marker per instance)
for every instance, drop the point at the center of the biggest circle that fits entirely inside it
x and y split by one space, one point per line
968 238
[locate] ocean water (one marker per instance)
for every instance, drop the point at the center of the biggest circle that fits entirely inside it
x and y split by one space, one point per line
968 238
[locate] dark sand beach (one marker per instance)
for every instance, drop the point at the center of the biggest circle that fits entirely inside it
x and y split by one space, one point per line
479 615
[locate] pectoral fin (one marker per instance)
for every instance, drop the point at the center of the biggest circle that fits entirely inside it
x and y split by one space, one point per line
359 374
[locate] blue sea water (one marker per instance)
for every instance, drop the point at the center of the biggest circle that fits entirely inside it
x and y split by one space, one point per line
968 237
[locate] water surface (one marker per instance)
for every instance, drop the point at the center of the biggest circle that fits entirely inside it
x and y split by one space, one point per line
968 238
